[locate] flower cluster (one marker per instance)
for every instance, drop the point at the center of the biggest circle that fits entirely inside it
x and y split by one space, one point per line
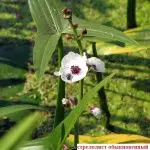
74 67
69 102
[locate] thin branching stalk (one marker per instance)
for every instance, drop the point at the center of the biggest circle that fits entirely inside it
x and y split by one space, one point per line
101 92
59 113
76 126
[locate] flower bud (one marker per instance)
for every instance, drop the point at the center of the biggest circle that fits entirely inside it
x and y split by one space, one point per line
95 111
75 25
68 36
84 31
67 13
74 101
66 102
65 147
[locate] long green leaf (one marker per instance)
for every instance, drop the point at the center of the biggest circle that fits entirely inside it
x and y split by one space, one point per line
50 23
44 47
109 49
4 111
19 133
47 16
98 32
59 134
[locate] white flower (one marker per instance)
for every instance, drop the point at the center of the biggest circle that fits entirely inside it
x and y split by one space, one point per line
73 67
96 112
96 64
65 101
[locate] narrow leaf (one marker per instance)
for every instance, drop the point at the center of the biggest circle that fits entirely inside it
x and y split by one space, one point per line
97 32
109 49
19 133
47 16
50 23
4 111
44 47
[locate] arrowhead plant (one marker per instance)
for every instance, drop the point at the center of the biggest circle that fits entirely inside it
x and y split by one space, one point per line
54 23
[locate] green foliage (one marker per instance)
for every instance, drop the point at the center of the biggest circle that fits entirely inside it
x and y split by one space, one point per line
39 89
50 24
133 71
59 134
44 47
49 28
98 32
109 49
4 111
19 133
59 113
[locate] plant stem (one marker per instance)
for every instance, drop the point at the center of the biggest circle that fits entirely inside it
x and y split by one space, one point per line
76 38
59 113
101 92
76 126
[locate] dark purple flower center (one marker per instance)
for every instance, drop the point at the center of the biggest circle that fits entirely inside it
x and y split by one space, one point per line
69 76
75 69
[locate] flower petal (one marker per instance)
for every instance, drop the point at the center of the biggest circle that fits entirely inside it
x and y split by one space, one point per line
97 64
96 112
73 67
71 58
57 73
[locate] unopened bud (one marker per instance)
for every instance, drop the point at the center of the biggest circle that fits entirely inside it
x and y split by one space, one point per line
84 31
66 102
74 101
65 147
96 112
68 36
75 25
67 13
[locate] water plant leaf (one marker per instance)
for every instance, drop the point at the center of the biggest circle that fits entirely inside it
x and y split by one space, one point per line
47 16
109 49
97 32
50 23
4 111
20 132
44 47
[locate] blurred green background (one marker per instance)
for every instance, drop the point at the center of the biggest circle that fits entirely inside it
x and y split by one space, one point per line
128 93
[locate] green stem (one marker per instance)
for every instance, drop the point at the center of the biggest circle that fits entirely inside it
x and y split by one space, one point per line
76 126
101 92
76 38
59 113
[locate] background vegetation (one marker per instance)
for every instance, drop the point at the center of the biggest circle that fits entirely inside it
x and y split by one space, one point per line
128 93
